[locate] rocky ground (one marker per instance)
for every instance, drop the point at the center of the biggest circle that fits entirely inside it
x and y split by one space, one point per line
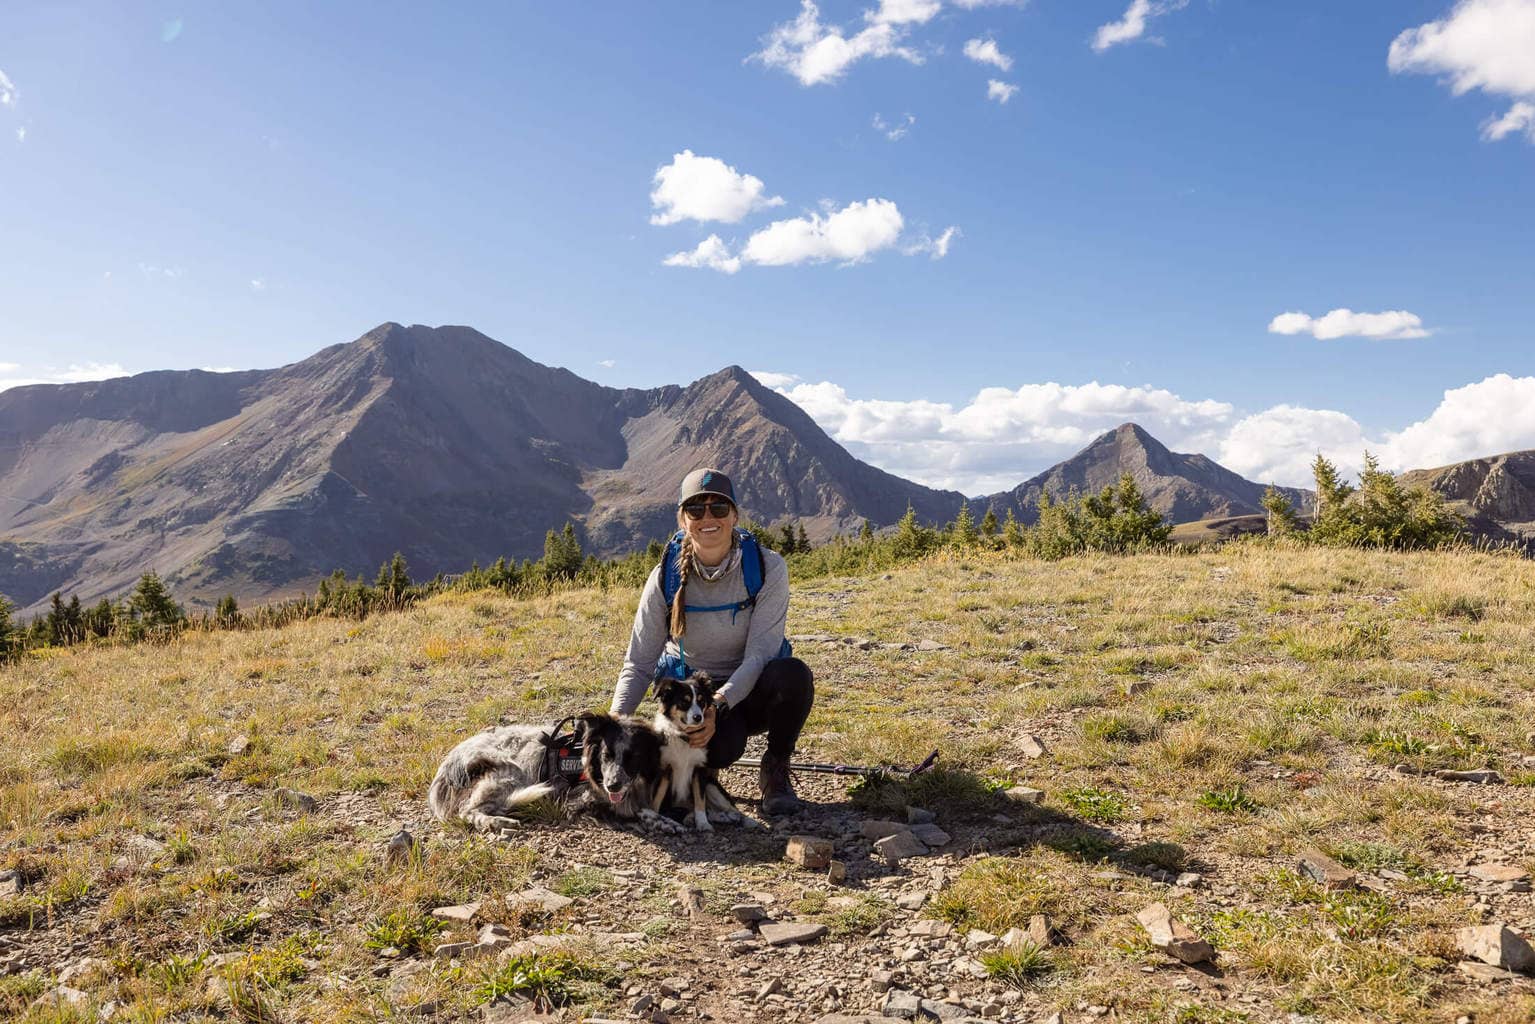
1200 809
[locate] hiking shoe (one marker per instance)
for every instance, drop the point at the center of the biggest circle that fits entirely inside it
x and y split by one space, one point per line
778 796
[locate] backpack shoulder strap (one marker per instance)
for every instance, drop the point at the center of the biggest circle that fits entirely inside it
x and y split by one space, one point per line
671 568
753 566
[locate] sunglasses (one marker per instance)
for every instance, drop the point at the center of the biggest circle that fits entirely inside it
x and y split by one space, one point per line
717 509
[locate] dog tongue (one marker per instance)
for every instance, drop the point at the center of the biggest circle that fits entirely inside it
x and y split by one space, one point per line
615 798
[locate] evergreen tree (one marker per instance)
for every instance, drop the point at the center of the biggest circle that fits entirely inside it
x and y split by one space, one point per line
152 605
393 580
866 532
989 523
58 634
786 539
227 613
74 620
801 541
1381 512
962 533
1282 519
101 619
1012 533
562 554
10 644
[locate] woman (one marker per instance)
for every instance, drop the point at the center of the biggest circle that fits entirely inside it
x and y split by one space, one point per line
714 626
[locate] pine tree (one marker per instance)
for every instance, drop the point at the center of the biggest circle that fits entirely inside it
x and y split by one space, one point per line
9 641
1012 533
393 581
152 605
57 629
801 541
989 523
227 613
786 539
562 554
866 532
1282 519
962 533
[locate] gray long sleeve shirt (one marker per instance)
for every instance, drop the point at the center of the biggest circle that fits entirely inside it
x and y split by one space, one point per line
734 651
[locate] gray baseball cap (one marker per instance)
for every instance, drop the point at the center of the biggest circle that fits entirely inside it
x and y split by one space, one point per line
706 481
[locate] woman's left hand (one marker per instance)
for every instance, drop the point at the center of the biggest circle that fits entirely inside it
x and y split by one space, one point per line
701 736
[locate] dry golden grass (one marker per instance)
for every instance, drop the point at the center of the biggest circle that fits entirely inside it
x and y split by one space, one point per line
1281 686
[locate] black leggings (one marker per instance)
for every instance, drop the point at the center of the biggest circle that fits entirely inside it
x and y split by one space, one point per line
778 705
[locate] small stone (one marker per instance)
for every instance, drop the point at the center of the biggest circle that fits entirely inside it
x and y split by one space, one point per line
743 935
1188 879
674 987
1502 873
1172 936
1136 687
461 914
1032 747
931 835
1495 944
301 802
931 929
493 935
808 852
979 939
903 1004
770 987
1327 872
239 745
748 913
144 848
919 816
931 645
792 933
538 898
911 900
400 848
836 872
1039 931
880 981
449 950
1025 795
933 1009
899 846
10 883
1480 776
691 898
879 829
642 1004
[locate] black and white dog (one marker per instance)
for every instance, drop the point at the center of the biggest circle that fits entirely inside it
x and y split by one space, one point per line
487 777
685 773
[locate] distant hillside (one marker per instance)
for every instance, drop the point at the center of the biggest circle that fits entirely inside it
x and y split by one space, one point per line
1496 495
438 442
1183 488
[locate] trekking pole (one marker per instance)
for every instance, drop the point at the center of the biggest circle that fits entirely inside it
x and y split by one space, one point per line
848 769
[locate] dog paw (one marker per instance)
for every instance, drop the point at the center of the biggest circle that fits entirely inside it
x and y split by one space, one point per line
726 817
496 823
650 821
701 822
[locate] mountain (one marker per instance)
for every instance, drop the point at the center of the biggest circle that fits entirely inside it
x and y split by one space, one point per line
1496 495
438 442
1183 488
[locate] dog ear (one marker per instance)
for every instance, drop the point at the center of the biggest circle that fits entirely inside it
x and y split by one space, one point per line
663 687
590 723
704 683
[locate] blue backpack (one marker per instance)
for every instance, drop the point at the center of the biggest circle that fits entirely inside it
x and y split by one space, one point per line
753 569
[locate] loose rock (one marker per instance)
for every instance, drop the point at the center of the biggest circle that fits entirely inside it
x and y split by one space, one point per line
808 852
1480 776
919 816
1025 795
462 914
538 898
900 846
1032 747
1327 872
836 872
400 847
792 933
1172 936
931 835
239 745
301 802
748 913
1495 944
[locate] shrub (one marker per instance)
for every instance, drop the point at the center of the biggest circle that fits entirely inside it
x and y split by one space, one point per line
1380 513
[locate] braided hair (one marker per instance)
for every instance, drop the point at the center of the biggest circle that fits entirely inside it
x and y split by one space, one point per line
679 613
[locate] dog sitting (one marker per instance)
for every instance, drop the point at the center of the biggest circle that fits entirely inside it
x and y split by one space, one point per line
685 772
487 777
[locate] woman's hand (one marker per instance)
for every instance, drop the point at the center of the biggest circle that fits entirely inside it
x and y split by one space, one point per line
701 736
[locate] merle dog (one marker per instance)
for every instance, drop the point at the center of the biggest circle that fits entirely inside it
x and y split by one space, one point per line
487 777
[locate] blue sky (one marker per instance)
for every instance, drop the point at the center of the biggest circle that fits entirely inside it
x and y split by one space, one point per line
1144 190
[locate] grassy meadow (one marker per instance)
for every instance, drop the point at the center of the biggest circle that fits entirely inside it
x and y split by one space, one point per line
1211 712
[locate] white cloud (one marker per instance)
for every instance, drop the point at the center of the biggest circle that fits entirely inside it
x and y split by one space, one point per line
971 5
151 270
21 134
999 91
1004 436
607 364
1479 44
73 374
849 235
936 248
8 93
775 380
894 132
258 284
816 54
1132 24
1488 417
703 188
1392 325
711 253
985 51
1519 118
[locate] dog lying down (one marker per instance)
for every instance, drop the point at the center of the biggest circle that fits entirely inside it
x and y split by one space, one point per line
486 778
